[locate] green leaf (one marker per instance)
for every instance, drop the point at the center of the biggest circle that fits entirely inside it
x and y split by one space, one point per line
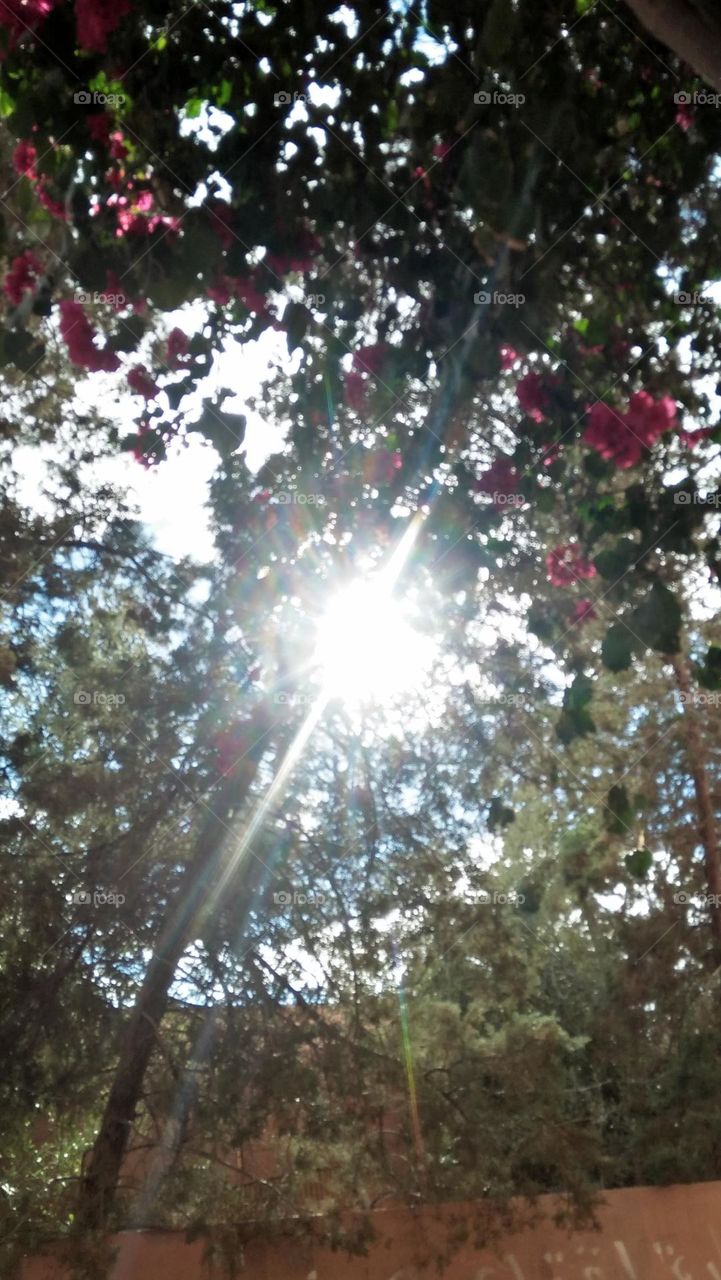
572 724
193 108
657 621
617 648
499 815
614 563
579 694
618 815
639 863
709 675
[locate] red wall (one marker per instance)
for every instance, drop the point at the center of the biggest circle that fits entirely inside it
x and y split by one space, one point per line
668 1233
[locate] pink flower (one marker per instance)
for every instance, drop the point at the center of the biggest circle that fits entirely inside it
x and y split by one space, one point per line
117 146
650 418
501 478
692 438
566 564
95 20
24 15
441 149
370 359
621 438
115 289
583 611
684 116
176 351
24 157
141 383
22 276
220 291
508 357
99 125
79 335
608 433
53 206
355 389
534 396
221 217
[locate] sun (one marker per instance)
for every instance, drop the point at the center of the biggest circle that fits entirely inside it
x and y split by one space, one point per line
367 649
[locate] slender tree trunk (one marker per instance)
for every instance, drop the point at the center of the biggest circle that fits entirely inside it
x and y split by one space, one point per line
100 1178
690 28
698 766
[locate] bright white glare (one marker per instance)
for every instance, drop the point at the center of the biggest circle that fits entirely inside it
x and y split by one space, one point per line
367 650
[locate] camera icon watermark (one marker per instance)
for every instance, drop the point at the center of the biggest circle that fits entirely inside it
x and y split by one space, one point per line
484 298
285 99
293 699
685 498
89 98
292 497
116 300
693 299
485 97
701 98
297 898
510 899
98 898
82 698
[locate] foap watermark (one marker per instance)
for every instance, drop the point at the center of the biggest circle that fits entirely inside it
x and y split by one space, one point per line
510 899
503 699
298 898
687 497
484 298
700 98
488 97
107 299
98 898
315 299
285 99
284 699
701 698
693 299
506 499
89 98
683 899
97 698
291 497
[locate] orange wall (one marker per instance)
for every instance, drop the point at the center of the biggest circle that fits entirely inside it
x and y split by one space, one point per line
667 1233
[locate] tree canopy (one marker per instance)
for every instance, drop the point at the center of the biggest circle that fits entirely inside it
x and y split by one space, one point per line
457 942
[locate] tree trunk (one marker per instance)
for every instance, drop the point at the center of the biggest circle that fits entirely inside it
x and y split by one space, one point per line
706 817
100 1178
691 28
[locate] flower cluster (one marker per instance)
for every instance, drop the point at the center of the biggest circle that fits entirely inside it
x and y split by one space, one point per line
176 351
367 361
534 393
24 160
500 478
95 20
622 437
22 276
79 335
566 564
